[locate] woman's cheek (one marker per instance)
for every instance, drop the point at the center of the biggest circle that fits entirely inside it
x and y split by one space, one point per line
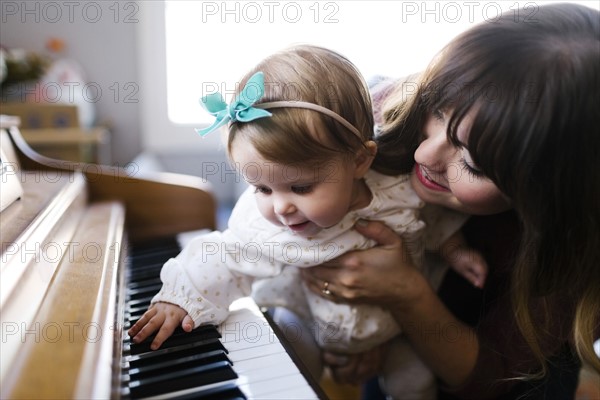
479 197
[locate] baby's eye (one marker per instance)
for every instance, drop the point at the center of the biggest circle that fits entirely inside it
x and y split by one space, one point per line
302 189
262 189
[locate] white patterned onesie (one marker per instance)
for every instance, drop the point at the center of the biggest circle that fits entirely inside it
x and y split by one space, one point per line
217 268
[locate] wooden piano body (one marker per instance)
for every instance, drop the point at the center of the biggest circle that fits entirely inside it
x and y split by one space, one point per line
65 246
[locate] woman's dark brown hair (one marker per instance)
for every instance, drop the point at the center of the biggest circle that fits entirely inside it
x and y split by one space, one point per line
533 86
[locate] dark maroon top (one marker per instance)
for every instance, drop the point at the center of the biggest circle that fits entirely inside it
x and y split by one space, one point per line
503 351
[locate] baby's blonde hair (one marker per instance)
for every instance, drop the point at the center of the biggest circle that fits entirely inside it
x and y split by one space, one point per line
315 75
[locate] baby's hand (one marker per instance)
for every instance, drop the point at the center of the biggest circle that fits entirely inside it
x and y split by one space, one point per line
470 264
163 317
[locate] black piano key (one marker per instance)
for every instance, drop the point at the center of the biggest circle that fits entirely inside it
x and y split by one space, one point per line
178 364
149 358
167 357
135 307
152 255
179 337
143 292
138 264
200 333
145 273
145 302
194 377
186 362
155 280
152 258
225 392
135 313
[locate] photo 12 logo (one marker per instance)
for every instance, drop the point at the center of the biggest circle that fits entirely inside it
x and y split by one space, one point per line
52 332
471 11
270 12
66 92
70 11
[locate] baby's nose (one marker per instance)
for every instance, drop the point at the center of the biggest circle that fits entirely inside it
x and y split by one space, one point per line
282 206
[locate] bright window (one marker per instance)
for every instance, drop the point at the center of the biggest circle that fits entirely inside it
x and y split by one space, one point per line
211 44
188 49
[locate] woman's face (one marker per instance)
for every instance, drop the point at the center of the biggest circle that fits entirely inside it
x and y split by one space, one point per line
446 175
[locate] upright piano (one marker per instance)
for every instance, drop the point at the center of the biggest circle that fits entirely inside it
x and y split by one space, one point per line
81 253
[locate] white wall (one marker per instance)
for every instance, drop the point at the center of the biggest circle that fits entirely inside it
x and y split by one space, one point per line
101 36
108 39
121 45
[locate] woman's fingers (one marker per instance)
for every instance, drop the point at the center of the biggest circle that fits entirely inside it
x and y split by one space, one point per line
355 367
335 360
329 288
356 276
378 232
320 279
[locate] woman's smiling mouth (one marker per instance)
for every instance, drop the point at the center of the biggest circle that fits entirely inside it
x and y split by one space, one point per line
425 179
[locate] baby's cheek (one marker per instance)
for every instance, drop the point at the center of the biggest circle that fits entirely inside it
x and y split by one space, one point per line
267 212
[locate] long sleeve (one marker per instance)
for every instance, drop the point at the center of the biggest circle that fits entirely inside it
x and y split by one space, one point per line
342 327
200 281
441 224
215 269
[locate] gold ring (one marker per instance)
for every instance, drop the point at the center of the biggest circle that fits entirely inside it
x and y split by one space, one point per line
326 290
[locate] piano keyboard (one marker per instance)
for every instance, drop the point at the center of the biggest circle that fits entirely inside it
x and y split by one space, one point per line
241 359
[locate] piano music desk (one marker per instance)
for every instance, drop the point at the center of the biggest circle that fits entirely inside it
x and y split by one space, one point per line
104 208
72 144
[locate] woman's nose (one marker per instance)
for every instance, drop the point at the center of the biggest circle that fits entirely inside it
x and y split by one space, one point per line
434 151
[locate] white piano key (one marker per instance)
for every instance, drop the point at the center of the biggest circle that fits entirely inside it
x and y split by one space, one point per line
257 365
249 353
240 338
272 376
265 369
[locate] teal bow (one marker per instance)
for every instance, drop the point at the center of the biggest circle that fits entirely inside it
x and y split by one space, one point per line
240 108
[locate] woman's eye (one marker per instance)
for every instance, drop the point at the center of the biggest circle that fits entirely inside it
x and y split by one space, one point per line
262 189
471 169
302 189
469 165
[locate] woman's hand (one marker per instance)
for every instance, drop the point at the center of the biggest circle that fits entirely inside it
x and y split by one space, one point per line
357 367
383 275
164 317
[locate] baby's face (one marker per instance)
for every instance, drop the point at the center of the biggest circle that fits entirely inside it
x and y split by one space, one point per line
304 199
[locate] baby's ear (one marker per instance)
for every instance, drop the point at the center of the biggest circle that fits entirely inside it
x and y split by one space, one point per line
364 159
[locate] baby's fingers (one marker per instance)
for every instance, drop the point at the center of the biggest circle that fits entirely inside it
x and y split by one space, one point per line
165 331
137 327
149 328
187 324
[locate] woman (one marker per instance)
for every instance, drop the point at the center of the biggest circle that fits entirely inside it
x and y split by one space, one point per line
505 127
